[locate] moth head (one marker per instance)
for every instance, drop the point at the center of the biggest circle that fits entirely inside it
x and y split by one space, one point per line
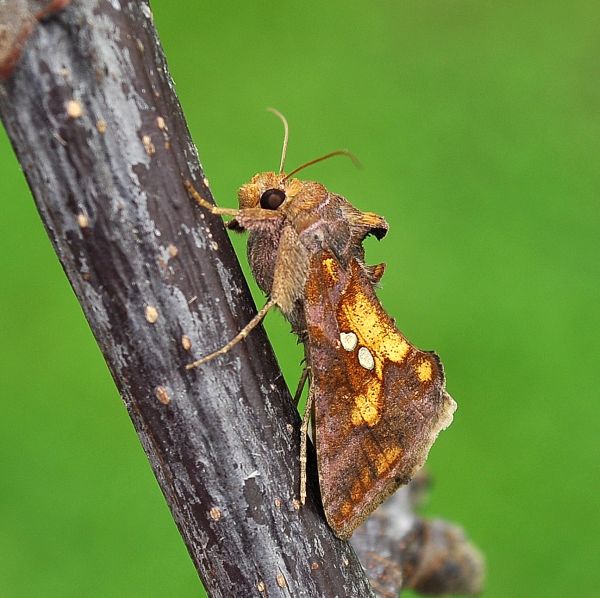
268 190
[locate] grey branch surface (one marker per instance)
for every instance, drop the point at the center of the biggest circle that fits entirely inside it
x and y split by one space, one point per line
91 112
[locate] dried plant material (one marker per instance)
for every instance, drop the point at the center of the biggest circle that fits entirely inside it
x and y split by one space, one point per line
400 550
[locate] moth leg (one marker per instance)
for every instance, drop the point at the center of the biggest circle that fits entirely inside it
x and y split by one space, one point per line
205 204
240 336
303 436
291 269
301 384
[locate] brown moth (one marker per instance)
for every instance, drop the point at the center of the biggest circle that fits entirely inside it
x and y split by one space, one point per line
377 403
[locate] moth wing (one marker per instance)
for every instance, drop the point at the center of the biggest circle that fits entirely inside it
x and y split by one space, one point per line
379 402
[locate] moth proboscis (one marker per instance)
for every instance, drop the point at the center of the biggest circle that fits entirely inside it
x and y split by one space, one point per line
377 403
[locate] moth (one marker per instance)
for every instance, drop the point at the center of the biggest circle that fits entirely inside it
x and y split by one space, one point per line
376 402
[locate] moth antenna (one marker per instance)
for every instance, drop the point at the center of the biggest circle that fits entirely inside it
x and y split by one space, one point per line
341 152
285 136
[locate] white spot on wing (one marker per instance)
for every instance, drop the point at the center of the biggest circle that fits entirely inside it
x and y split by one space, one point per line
365 358
349 340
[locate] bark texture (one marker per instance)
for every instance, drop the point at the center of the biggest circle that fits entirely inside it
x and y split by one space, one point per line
92 115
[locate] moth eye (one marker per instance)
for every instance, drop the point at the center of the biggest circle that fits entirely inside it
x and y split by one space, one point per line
271 199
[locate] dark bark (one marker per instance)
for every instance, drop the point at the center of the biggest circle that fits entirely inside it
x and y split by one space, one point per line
92 115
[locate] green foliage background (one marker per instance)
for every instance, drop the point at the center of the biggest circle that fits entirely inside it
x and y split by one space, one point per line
478 126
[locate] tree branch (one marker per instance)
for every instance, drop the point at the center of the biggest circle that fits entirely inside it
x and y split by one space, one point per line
400 550
92 115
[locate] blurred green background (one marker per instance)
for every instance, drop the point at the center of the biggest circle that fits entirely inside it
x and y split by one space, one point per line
478 126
